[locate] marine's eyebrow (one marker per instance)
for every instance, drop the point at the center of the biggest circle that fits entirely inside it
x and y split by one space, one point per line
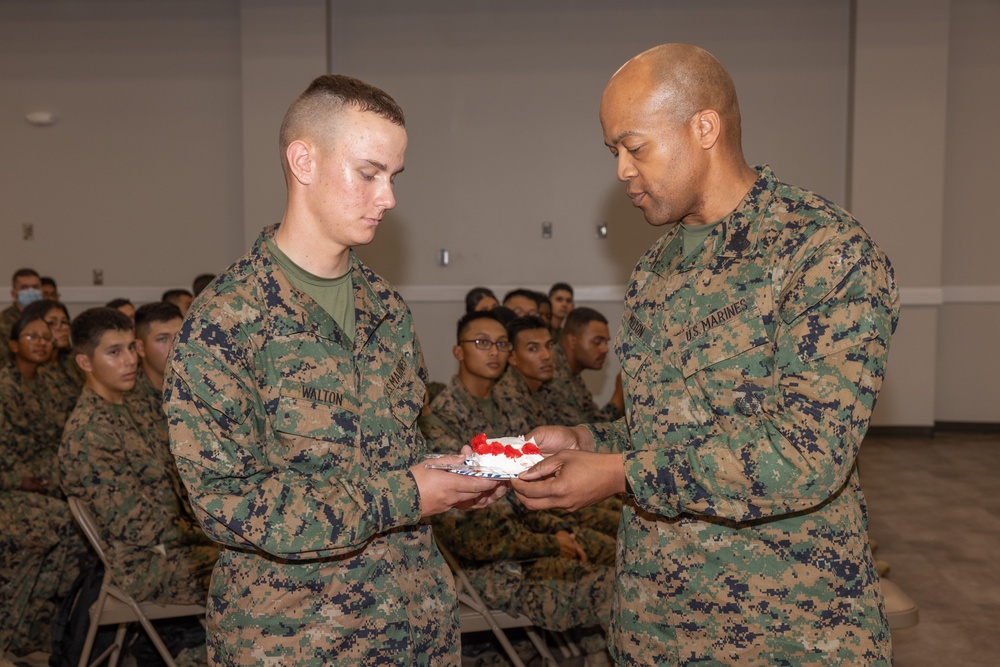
383 167
617 140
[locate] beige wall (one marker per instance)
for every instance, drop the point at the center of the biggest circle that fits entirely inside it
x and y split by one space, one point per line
142 174
163 162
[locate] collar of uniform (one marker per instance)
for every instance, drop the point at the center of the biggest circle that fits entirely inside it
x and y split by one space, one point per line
291 314
370 296
742 225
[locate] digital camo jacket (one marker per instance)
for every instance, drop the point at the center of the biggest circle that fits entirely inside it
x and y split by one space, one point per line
106 462
456 416
750 374
295 444
30 428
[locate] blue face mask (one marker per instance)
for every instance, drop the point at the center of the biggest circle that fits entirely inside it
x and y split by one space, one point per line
28 296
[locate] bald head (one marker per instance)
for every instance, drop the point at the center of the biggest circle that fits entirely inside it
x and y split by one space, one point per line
678 81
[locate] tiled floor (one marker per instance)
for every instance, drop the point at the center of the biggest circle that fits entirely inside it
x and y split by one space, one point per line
934 508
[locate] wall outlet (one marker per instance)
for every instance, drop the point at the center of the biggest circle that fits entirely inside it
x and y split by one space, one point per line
98 276
546 230
28 231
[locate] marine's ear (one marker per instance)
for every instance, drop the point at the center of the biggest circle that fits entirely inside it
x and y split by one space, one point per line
84 362
708 126
301 161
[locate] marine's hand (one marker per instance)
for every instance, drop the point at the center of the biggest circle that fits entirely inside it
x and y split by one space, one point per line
570 480
552 439
441 490
569 547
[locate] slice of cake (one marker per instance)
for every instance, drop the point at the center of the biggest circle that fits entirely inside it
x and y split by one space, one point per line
509 456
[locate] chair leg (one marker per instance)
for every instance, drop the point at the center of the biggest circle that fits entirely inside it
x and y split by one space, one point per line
155 638
95 614
543 649
119 644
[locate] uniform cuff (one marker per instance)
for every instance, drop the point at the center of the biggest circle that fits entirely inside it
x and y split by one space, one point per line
649 480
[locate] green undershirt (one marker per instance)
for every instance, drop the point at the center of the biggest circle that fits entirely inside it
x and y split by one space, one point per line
694 235
334 295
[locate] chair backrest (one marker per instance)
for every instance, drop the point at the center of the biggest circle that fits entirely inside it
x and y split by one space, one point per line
85 520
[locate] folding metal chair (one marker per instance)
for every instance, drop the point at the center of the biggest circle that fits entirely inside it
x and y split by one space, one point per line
475 616
115 607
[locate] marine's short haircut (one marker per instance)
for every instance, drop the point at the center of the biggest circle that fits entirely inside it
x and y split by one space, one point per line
579 318
118 303
561 287
31 313
159 311
526 323
23 273
91 325
503 314
329 94
527 293
466 321
475 295
174 293
49 282
200 282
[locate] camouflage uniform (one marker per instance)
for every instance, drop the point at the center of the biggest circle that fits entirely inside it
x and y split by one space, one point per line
145 404
63 382
456 416
39 545
516 567
750 372
8 318
295 444
527 408
40 554
571 394
29 431
105 461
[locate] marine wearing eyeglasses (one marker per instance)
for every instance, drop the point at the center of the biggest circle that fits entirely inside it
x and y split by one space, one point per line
61 376
467 406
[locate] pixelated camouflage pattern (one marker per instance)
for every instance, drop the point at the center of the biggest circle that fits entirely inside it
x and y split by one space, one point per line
145 405
29 430
8 318
107 463
526 408
750 372
40 554
569 401
456 416
511 556
295 444
63 381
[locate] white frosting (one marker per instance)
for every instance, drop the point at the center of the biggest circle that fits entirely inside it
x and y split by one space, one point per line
505 464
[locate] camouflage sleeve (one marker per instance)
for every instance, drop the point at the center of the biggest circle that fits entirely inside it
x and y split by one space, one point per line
94 467
611 437
491 534
793 446
218 435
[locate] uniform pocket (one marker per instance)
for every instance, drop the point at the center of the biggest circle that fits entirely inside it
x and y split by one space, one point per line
314 429
730 368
